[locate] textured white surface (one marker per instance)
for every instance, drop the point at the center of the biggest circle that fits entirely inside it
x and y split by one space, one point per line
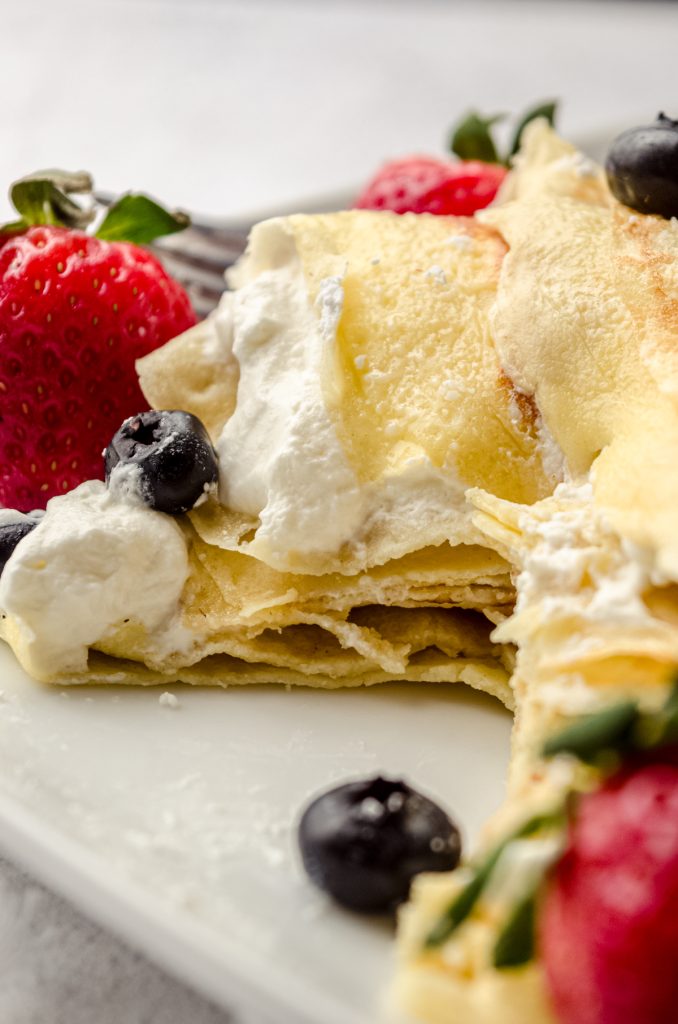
227 107
177 826
59 967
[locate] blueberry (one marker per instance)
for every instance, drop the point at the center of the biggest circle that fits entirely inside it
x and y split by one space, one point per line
12 533
642 168
173 455
364 842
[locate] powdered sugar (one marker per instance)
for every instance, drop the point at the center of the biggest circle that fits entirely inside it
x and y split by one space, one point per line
169 700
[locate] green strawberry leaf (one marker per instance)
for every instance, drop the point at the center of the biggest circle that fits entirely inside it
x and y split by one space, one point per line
461 907
660 728
619 730
609 730
15 227
138 218
465 901
472 139
45 198
547 110
515 943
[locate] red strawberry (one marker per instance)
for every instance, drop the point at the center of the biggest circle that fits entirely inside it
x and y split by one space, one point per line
609 921
422 184
76 312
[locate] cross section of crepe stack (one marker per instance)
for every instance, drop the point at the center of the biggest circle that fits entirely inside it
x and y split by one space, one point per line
416 418
354 392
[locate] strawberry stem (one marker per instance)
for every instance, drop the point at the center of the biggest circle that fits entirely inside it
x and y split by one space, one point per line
46 197
472 138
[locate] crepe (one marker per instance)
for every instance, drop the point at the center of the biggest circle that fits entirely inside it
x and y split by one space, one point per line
603 371
585 322
592 629
410 383
402 621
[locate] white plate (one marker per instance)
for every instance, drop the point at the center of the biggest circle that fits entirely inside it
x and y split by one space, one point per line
176 827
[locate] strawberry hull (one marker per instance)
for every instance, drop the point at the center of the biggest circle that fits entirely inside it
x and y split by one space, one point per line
609 920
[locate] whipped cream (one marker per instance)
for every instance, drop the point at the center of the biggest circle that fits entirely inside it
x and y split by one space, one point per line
279 454
281 458
575 544
93 562
575 568
552 456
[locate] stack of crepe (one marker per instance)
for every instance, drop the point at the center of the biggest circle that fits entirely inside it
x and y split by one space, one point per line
352 385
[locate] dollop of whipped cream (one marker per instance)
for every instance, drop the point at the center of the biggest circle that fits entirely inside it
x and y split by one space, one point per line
581 585
279 453
94 560
574 552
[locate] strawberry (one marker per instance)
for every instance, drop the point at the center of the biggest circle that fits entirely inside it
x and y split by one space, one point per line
426 184
421 184
609 917
76 311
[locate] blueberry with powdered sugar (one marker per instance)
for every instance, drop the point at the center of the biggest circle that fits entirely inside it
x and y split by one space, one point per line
363 842
163 458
